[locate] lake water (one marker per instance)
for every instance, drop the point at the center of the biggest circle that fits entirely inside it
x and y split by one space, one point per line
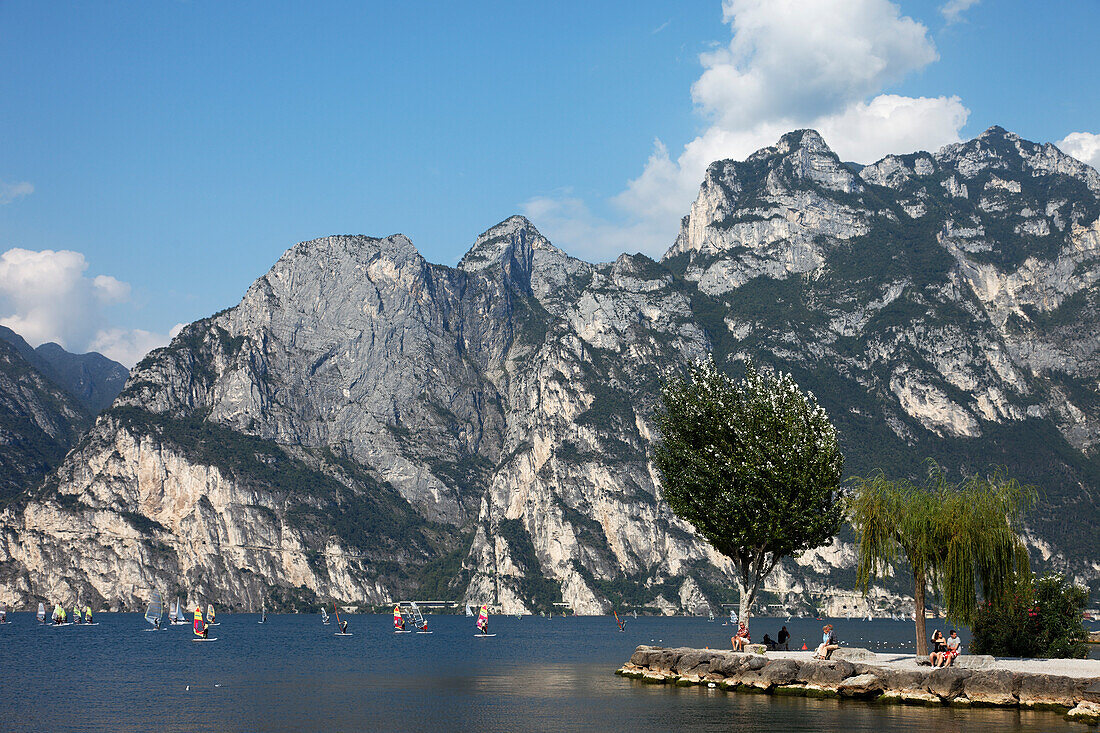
292 673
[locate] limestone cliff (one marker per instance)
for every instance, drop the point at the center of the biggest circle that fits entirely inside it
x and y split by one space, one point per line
368 426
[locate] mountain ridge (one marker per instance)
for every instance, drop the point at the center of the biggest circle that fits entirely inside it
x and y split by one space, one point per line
365 424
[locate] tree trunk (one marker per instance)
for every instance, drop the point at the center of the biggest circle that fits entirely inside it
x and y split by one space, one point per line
918 615
745 603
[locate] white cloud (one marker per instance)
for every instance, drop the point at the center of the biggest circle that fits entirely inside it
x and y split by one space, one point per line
953 9
11 191
789 64
45 296
1084 146
127 346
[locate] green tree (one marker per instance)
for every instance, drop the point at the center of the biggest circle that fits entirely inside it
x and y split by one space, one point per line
956 538
753 465
1039 618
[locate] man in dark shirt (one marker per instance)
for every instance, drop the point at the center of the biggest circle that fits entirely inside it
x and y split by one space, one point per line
784 638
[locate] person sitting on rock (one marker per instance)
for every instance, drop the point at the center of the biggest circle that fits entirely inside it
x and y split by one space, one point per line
828 643
939 648
769 644
952 649
784 639
741 640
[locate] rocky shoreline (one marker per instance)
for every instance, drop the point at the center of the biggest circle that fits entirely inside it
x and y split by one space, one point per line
861 674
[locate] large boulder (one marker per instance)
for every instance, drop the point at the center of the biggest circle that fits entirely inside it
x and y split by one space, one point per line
666 659
728 664
826 674
992 687
906 685
861 686
695 661
1050 691
852 654
1092 692
1086 712
756 662
974 661
642 655
946 683
780 672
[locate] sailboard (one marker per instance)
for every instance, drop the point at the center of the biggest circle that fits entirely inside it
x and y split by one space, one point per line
263 615
324 616
412 611
41 613
199 638
154 611
176 616
211 621
339 625
622 624
483 621
484 636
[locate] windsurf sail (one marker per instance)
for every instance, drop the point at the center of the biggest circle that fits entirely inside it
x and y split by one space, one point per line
263 613
199 625
470 611
398 619
622 625
324 616
410 609
210 612
483 619
41 613
155 610
177 616
733 617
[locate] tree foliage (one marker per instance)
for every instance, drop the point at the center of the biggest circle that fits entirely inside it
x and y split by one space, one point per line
958 539
753 465
1040 618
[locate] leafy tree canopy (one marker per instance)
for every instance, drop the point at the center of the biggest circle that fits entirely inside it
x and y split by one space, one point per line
753 465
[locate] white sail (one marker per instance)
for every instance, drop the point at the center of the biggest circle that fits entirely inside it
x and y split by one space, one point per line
176 616
324 616
470 610
155 610
42 612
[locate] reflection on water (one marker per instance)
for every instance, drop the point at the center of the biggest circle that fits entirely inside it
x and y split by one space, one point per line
293 674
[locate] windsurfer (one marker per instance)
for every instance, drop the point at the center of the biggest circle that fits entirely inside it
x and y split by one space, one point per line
483 620
87 614
343 626
398 619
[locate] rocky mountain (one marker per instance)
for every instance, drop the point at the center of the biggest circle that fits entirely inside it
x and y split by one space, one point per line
39 422
367 426
92 378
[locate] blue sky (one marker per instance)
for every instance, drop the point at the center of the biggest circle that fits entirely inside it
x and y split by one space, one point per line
176 149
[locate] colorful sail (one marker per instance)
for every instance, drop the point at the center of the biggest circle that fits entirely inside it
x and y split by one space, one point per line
198 621
210 612
483 619
398 619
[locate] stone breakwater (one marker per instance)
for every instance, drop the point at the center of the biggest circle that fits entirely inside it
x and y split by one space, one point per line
861 674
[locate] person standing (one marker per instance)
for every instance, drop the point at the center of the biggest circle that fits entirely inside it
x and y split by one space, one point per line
784 639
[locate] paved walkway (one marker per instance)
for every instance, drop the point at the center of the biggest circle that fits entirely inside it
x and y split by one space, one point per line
1064 667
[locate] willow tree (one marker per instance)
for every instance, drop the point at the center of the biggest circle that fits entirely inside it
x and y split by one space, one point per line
753 465
956 538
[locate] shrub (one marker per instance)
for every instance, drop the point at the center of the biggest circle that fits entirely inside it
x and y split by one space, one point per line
1040 618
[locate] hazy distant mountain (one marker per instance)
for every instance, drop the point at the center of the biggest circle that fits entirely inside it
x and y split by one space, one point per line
39 422
92 378
368 426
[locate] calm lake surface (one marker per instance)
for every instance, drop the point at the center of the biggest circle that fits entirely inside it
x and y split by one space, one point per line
292 673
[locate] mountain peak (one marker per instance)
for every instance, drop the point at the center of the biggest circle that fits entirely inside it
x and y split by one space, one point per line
515 238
